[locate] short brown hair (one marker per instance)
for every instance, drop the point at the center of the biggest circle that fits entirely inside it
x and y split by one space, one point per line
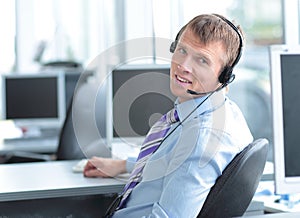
213 28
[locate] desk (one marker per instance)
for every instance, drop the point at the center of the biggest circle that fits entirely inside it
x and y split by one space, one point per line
52 186
265 193
278 215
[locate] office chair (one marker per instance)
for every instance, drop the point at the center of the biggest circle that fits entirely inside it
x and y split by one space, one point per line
234 189
69 143
68 147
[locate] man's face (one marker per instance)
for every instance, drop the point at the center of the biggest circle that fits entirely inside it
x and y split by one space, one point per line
195 66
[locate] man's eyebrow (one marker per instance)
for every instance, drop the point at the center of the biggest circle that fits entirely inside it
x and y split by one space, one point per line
202 55
196 53
180 44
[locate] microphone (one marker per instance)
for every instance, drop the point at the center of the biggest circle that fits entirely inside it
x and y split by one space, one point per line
198 93
192 92
204 93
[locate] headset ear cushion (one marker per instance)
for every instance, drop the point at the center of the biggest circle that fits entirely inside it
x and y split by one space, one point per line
225 75
173 46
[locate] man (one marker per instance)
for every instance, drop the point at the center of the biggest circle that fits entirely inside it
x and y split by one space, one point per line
176 177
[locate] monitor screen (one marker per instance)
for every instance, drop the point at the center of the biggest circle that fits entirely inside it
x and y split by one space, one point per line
140 96
285 77
34 99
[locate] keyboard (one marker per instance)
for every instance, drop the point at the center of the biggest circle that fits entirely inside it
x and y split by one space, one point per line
32 142
45 134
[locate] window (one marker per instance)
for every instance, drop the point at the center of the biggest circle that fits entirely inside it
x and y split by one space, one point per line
8 33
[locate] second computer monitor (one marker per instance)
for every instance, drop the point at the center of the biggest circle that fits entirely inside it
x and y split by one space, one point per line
140 96
285 78
34 100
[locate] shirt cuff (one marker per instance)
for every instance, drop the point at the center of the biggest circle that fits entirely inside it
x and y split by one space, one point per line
130 162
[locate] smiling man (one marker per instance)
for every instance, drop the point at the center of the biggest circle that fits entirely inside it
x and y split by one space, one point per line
175 171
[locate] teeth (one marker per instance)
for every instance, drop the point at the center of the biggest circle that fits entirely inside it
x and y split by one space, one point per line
182 80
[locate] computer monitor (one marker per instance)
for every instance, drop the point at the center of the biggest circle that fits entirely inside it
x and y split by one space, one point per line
34 100
139 96
285 80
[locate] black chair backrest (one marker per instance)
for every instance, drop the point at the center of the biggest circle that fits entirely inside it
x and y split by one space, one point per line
68 147
90 142
235 188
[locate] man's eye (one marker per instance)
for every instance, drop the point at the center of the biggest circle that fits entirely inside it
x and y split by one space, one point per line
181 51
202 60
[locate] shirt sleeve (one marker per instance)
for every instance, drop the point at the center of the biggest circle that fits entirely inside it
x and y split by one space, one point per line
130 162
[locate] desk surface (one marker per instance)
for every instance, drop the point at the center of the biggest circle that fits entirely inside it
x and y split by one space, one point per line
50 179
265 193
278 215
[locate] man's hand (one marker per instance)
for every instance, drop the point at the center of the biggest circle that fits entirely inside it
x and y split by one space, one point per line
104 167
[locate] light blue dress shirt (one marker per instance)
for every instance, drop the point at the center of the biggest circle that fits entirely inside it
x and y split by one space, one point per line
178 176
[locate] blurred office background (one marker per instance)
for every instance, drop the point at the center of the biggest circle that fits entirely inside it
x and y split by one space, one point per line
36 32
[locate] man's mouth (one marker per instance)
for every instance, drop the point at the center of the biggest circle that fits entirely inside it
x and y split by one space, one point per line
183 80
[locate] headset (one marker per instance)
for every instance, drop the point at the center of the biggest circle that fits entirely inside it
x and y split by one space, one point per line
226 75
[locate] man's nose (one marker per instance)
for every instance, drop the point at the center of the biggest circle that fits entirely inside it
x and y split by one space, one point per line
185 66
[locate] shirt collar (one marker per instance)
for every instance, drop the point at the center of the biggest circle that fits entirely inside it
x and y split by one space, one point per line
208 104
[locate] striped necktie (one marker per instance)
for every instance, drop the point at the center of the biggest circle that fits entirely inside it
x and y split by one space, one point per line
150 145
